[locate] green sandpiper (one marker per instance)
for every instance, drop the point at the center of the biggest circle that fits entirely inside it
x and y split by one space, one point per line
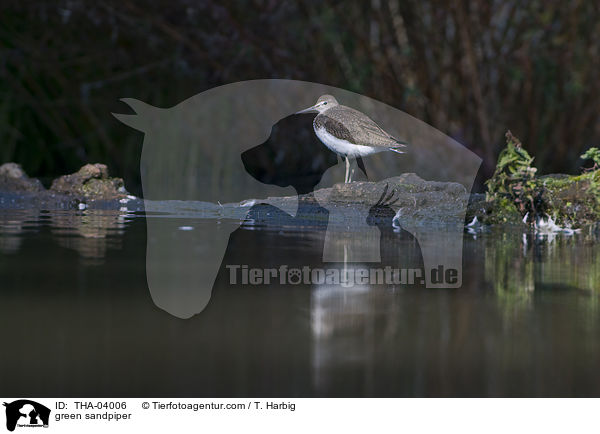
348 132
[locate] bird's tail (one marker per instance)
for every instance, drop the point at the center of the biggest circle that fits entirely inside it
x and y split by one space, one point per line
398 147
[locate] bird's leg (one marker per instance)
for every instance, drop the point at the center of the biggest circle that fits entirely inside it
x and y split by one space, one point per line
347 177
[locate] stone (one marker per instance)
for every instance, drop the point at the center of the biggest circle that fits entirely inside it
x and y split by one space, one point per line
91 182
14 178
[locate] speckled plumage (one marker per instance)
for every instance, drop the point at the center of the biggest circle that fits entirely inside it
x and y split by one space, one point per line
355 127
349 132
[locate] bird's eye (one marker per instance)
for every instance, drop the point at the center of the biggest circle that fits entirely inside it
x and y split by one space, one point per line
325 103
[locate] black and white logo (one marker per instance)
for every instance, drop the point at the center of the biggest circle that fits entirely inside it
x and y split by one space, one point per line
26 413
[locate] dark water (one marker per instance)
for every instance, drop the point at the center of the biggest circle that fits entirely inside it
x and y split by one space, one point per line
77 319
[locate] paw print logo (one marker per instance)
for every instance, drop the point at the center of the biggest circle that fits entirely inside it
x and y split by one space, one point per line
294 276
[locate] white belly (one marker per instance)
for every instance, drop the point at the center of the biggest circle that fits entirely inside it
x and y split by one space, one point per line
344 147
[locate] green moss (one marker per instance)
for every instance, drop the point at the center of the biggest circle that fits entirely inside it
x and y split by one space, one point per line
514 179
515 192
502 211
572 200
594 155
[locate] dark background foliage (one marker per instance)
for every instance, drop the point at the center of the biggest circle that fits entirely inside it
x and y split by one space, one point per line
471 69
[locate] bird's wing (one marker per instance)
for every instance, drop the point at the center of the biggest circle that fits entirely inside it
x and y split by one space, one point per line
334 126
362 129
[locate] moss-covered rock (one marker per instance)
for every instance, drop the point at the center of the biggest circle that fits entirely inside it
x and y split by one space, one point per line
90 182
572 201
497 211
516 195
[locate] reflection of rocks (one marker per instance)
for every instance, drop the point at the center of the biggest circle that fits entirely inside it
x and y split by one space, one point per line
90 233
520 264
11 230
510 267
9 242
90 182
431 212
10 235
14 178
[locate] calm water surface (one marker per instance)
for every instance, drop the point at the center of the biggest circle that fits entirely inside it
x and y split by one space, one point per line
77 319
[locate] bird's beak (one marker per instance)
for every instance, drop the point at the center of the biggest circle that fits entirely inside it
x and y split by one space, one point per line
308 110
